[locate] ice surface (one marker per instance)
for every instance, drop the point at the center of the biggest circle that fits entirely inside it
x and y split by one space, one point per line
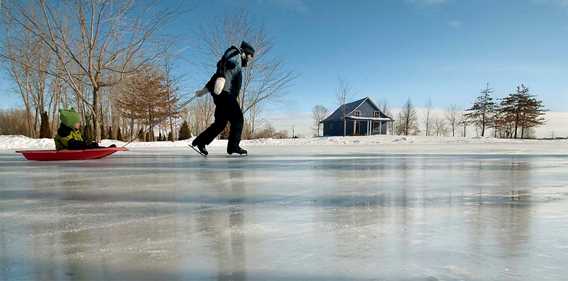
285 213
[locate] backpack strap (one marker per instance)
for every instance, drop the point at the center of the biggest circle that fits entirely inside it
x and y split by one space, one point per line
225 63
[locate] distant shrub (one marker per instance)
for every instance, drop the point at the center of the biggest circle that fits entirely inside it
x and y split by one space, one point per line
13 122
269 132
184 131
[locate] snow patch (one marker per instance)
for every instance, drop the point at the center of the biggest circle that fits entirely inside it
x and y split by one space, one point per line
418 143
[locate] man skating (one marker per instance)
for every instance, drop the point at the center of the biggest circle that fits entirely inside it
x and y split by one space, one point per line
225 87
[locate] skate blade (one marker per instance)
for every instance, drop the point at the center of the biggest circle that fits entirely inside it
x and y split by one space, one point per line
197 150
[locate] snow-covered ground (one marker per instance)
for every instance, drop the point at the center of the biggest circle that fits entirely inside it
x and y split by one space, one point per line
356 208
343 145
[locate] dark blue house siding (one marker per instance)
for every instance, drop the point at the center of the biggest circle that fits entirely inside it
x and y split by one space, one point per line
335 128
360 115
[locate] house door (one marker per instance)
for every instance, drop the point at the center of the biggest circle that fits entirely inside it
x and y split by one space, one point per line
378 127
376 130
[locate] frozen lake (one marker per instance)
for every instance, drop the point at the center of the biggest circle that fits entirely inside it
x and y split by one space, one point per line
278 215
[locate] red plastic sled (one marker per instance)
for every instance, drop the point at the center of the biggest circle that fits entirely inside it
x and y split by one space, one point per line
63 155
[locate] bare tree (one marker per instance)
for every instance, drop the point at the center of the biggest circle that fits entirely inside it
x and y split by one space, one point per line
27 61
200 113
384 107
452 116
265 79
407 121
171 88
13 122
343 92
319 112
463 121
92 39
428 117
439 126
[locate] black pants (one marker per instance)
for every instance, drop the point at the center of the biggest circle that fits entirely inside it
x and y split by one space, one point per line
227 110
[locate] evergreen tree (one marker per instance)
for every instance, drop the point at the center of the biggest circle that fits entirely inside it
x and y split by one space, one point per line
520 110
482 112
184 131
44 128
170 136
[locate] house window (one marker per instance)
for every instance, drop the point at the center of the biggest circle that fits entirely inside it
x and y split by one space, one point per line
356 113
377 114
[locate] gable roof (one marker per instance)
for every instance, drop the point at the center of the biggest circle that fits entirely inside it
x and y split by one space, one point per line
348 108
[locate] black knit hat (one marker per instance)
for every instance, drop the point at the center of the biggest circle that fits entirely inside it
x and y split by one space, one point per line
247 48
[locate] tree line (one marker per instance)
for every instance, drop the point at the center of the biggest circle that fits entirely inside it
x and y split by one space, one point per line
114 62
513 116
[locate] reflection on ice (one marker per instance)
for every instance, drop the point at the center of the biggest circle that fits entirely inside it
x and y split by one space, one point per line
143 216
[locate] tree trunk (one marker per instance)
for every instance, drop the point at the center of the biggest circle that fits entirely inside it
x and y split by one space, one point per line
96 114
36 121
483 126
516 125
131 128
45 130
30 131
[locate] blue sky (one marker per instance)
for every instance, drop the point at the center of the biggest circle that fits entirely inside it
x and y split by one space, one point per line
391 50
394 49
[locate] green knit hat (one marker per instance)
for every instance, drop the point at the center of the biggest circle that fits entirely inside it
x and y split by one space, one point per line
69 117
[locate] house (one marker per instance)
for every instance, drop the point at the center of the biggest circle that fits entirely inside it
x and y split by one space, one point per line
359 118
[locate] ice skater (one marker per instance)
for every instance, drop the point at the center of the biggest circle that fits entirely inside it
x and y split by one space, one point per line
225 87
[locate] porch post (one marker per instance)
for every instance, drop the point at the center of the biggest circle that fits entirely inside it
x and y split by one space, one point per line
354 127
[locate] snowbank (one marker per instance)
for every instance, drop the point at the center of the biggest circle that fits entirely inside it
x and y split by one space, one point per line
372 144
20 142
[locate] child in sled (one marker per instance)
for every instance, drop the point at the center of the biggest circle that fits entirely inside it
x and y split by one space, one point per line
69 134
